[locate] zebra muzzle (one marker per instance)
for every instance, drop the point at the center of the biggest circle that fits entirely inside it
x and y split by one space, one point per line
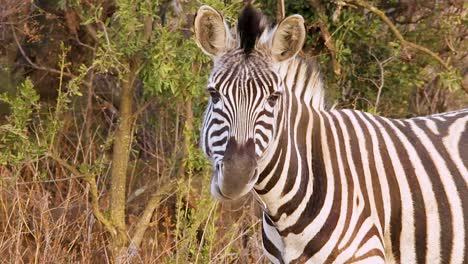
237 172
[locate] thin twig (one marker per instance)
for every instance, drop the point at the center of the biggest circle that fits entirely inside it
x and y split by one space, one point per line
397 33
77 39
382 80
142 108
104 28
92 32
94 191
51 181
202 240
234 240
35 66
319 8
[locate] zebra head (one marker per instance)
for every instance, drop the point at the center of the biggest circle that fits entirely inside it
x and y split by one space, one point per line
242 117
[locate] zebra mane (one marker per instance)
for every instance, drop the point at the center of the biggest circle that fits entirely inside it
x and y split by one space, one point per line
302 77
250 26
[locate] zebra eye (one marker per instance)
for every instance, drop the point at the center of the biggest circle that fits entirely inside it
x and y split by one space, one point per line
215 96
273 98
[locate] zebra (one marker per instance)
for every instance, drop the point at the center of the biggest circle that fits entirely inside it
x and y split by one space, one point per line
335 186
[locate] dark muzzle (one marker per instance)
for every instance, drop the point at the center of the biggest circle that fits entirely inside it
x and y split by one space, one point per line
238 169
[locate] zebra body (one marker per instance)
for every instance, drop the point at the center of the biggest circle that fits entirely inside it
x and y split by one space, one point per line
369 189
336 186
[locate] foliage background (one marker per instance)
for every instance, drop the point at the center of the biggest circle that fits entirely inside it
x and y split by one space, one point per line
72 70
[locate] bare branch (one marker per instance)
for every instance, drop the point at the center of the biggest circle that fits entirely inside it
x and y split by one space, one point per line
319 8
142 108
397 33
104 29
148 27
35 66
145 218
94 191
95 203
204 230
382 80
52 180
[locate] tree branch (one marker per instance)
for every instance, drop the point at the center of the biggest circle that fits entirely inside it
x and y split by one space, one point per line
120 158
95 203
35 66
94 191
147 27
145 217
143 107
382 80
397 33
317 5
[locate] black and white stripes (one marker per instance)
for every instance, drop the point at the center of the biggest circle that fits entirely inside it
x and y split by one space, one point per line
370 189
242 104
336 186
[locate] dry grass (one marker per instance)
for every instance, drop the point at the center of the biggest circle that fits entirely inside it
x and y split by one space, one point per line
46 214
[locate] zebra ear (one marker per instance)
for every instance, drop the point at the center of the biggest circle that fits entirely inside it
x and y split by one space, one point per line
211 32
288 38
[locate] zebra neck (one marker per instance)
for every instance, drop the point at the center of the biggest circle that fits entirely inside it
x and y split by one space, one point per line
288 183
288 162
302 78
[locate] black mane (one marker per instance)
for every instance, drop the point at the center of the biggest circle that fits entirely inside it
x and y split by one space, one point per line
249 27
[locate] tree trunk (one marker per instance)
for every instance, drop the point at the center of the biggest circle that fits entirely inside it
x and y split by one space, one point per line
120 156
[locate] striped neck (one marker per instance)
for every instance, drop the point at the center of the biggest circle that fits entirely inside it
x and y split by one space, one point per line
302 78
282 169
